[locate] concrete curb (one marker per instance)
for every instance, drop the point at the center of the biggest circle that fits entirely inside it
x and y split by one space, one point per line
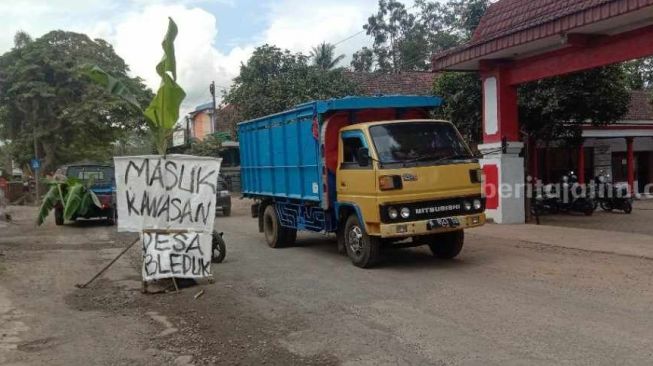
611 242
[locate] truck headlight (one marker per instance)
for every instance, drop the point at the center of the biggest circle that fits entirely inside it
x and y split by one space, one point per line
393 213
477 204
223 193
405 212
467 205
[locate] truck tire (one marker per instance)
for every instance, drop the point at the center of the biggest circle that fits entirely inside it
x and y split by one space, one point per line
362 249
226 211
111 217
276 235
58 216
447 245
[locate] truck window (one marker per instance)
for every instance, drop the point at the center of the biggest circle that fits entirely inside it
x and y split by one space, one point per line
350 146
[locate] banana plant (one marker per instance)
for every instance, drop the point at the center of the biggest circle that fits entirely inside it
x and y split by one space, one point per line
75 196
163 112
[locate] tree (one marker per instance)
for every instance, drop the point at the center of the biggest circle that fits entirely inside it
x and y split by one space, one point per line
363 60
273 80
211 145
557 107
463 104
323 56
404 39
639 73
46 97
400 42
549 109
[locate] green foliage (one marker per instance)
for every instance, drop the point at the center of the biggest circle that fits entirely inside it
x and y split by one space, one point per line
323 56
51 198
273 80
405 38
211 145
74 195
639 73
555 108
549 109
463 103
113 85
163 111
45 94
363 60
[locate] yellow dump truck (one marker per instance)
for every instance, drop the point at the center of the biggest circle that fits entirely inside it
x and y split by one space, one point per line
374 170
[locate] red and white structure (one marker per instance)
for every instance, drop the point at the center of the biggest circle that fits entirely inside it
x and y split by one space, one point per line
521 41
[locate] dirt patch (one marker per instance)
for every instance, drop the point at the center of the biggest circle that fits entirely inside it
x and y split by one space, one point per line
218 329
215 329
103 296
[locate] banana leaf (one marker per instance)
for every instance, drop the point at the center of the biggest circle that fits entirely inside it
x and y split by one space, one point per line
113 86
73 201
50 200
85 204
163 111
96 201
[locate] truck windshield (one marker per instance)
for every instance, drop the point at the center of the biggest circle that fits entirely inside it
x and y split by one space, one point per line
412 142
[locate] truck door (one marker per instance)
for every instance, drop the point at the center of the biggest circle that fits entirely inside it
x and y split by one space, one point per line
355 183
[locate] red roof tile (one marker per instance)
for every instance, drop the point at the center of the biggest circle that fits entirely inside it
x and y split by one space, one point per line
509 23
405 83
640 108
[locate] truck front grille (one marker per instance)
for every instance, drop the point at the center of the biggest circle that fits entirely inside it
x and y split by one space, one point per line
426 210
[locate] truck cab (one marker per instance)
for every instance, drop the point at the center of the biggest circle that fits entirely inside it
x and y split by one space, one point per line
406 178
375 171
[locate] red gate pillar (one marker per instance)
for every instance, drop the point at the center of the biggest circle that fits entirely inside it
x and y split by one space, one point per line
630 164
581 164
503 167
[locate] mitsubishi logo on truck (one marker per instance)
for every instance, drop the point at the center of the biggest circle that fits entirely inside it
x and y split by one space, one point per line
407 177
434 209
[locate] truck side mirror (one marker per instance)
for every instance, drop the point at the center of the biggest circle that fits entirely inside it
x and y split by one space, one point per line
363 157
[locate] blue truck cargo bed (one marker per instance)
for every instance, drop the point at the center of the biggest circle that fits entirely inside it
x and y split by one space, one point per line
281 154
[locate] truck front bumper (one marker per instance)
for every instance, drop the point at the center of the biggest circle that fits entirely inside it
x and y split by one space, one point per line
413 228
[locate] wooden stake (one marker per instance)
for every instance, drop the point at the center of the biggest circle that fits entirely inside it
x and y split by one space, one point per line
109 265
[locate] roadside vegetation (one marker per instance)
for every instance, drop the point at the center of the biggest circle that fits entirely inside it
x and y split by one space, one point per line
48 103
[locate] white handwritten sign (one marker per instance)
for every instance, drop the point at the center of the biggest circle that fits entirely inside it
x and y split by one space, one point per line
180 255
176 192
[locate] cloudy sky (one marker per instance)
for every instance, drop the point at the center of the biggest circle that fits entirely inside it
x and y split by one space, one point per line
215 36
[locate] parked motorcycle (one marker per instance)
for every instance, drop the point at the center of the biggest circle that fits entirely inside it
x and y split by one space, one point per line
612 197
573 198
545 202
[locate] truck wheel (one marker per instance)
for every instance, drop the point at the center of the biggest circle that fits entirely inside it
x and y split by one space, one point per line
58 216
362 249
447 245
111 217
276 235
226 211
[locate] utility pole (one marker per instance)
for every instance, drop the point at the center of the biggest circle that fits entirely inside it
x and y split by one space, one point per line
214 126
187 134
36 171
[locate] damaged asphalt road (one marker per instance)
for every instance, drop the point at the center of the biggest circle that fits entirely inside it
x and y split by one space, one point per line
503 302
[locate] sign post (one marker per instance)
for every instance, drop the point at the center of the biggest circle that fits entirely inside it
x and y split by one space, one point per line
36 166
170 200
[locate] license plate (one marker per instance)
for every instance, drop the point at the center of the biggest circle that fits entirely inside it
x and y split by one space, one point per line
445 222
